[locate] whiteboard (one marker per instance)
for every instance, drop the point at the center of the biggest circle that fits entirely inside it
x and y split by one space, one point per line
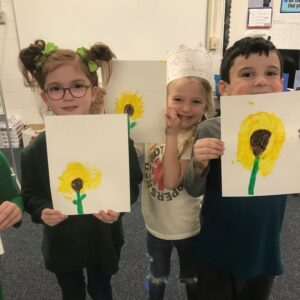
133 29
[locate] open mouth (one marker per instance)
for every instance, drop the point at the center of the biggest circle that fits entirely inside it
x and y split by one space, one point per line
70 108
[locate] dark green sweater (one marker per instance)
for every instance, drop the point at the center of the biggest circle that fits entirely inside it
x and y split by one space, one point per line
79 241
8 189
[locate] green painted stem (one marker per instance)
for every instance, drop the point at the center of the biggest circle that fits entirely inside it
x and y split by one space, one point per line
79 203
253 176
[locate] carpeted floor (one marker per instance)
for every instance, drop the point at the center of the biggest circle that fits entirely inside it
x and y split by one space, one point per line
24 277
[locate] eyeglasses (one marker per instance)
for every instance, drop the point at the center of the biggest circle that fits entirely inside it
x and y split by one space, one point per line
57 92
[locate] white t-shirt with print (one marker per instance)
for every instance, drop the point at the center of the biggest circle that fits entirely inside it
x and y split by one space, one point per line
168 214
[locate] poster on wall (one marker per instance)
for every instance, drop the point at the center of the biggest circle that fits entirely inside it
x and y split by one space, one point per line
290 6
94 161
259 17
262 144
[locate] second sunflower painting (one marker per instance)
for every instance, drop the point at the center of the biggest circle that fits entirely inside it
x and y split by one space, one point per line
261 144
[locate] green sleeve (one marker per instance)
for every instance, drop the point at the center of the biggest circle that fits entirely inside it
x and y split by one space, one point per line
8 188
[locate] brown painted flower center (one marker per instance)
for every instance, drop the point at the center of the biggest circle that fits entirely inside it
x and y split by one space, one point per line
129 110
77 184
259 141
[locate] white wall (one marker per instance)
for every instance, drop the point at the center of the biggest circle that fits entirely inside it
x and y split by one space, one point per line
32 20
18 98
284 31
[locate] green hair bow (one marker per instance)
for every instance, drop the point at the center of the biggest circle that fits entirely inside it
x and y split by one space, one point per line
49 48
93 65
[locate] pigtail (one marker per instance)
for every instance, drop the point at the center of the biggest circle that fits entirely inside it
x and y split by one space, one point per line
27 62
103 55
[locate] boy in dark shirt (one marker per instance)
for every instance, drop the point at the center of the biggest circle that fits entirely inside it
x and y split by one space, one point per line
239 242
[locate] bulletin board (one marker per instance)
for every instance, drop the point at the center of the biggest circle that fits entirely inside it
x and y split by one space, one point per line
284 30
134 29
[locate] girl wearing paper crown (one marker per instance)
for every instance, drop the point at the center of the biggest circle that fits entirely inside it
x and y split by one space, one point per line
68 83
171 215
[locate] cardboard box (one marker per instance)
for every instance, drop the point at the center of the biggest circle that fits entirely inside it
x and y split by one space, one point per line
30 132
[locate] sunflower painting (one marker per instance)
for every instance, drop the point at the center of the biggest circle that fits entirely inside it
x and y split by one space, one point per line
130 103
138 89
77 179
260 140
262 144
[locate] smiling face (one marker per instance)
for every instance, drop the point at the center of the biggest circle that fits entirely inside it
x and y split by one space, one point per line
187 96
257 74
63 77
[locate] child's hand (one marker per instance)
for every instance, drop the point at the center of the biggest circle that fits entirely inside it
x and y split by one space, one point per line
10 214
172 122
52 217
107 217
205 150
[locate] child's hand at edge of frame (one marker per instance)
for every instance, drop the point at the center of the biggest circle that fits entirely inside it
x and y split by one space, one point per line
107 217
10 214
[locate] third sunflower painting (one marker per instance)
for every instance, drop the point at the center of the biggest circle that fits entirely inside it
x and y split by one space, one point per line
262 146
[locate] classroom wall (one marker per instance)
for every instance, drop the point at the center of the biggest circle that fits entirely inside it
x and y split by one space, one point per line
23 27
18 98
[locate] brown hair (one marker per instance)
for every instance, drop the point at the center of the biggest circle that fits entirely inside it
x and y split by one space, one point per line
36 74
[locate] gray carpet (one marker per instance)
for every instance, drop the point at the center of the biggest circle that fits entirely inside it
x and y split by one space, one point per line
24 277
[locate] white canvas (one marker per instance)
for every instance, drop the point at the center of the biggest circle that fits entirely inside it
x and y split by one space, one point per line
284 175
98 142
145 80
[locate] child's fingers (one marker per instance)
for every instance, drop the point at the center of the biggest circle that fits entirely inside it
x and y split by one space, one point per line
52 217
107 217
113 214
207 149
11 216
210 145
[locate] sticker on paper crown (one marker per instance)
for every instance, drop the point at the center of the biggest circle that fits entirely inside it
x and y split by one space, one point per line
183 62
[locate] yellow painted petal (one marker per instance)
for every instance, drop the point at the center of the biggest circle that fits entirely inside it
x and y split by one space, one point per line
253 123
134 101
91 177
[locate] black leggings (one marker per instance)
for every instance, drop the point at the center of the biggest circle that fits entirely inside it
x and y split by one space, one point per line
73 284
215 284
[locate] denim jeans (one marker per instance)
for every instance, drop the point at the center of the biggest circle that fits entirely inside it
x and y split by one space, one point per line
73 284
160 255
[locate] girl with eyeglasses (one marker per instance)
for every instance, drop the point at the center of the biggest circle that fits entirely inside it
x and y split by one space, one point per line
68 85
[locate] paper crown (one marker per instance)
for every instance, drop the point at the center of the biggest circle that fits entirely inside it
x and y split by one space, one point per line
183 62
